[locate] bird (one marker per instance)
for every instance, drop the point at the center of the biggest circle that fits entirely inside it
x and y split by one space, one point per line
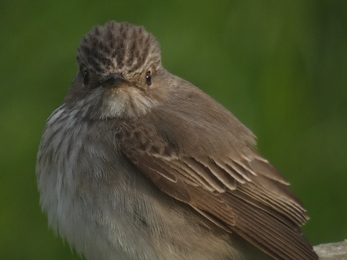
137 163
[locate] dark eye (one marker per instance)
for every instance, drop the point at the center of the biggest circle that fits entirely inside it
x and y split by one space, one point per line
148 78
85 77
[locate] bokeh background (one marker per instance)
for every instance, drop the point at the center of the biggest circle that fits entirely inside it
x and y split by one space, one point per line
279 66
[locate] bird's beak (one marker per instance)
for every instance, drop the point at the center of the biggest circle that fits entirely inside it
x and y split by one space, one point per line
113 81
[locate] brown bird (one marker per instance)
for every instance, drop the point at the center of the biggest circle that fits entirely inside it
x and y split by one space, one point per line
138 163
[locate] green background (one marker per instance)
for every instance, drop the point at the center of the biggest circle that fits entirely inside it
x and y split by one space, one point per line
279 66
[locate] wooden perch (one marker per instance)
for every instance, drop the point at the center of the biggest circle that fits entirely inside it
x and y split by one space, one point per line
332 251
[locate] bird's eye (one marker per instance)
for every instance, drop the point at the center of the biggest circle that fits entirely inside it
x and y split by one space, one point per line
148 78
85 76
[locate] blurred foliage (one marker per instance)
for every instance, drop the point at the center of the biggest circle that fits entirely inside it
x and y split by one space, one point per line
280 66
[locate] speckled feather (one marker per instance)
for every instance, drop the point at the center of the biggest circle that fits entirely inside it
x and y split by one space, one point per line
118 47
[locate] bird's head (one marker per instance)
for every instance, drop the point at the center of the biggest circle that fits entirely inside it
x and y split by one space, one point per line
117 65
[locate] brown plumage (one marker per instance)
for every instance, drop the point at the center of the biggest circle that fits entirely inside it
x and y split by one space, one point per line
125 124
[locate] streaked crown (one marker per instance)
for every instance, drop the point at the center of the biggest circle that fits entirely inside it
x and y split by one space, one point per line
118 48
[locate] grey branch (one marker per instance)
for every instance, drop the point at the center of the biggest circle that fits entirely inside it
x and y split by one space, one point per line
332 251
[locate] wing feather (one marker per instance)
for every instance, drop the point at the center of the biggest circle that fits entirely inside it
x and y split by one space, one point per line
232 186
